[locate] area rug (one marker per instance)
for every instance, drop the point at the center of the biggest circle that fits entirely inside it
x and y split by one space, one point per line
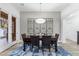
35 52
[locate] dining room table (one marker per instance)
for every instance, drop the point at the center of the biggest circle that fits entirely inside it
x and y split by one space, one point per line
53 41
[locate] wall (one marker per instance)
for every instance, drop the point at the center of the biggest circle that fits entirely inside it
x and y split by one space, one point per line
70 22
8 8
55 15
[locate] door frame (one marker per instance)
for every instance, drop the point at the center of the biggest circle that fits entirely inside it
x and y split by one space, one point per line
13 28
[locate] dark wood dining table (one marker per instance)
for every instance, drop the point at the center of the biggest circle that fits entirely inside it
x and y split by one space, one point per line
53 41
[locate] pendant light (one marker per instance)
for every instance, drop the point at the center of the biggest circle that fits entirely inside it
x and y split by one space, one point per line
40 20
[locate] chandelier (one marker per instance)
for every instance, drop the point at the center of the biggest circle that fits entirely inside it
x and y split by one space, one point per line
40 20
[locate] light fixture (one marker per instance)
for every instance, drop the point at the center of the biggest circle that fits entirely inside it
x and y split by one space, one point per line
40 20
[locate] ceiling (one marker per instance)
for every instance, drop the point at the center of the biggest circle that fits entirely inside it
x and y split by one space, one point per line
44 7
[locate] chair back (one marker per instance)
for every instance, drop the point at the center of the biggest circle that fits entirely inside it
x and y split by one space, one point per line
23 36
35 40
46 41
56 36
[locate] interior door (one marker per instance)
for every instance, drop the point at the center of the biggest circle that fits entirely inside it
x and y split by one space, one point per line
13 28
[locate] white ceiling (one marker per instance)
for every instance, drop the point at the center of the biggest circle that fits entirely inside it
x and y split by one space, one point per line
45 7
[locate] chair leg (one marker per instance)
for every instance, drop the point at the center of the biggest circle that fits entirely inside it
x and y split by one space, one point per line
49 49
43 51
50 52
24 46
56 47
38 48
32 48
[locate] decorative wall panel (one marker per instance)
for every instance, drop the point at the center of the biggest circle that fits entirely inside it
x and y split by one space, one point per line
30 26
49 26
45 28
37 29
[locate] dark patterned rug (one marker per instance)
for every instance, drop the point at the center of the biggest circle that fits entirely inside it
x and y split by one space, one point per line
38 52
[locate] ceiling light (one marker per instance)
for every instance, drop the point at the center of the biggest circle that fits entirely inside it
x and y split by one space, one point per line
40 20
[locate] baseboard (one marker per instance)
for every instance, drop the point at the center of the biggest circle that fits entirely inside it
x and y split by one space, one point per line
71 41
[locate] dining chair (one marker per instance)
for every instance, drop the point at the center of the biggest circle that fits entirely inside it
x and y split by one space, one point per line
54 41
34 41
46 43
26 40
56 36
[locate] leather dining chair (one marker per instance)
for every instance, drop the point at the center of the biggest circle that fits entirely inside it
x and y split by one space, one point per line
56 36
35 41
26 40
54 41
46 43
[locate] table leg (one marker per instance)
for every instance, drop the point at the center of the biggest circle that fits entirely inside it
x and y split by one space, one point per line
56 47
24 46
